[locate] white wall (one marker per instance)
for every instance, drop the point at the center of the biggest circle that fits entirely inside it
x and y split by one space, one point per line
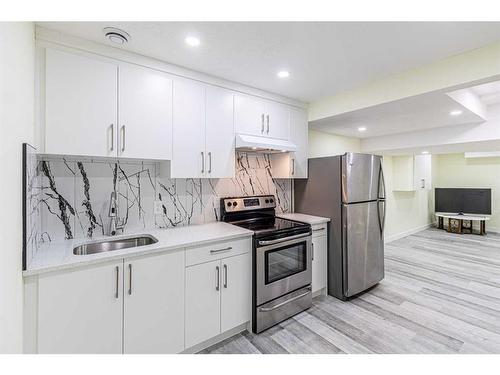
325 144
454 170
17 58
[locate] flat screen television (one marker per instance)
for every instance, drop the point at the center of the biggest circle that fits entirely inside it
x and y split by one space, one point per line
460 200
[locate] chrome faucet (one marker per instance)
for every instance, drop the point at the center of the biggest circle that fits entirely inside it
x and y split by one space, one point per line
115 224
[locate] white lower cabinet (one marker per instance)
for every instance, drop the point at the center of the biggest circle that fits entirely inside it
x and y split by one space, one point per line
81 311
153 320
319 260
218 297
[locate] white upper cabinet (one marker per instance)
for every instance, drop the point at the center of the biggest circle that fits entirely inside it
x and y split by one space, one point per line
97 108
188 151
249 115
145 113
80 105
259 117
219 133
154 304
203 131
411 173
423 172
299 134
277 120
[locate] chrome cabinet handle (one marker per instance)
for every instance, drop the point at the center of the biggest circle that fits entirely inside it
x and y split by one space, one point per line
112 137
217 280
312 251
202 162
209 162
266 309
267 124
130 279
220 250
422 181
117 269
123 138
225 276
293 167
262 128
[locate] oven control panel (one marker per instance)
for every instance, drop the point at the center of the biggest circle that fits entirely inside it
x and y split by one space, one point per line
248 203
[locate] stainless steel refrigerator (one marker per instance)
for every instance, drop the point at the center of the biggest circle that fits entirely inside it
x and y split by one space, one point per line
350 190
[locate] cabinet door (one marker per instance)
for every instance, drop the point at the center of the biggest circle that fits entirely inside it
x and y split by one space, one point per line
299 136
203 283
188 150
249 115
236 303
422 172
219 133
145 115
319 263
277 121
80 105
81 311
154 304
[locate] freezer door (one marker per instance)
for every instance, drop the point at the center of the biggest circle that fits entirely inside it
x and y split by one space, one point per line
363 246
362 178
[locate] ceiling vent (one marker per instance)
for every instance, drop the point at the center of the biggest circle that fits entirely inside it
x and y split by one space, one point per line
116 36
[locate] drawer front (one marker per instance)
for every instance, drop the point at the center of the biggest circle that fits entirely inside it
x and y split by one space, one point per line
319 230
217 250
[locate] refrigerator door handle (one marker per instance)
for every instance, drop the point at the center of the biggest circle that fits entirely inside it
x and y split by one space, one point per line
381 221
381 182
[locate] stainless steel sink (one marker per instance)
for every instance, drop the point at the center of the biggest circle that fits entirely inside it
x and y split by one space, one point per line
112 245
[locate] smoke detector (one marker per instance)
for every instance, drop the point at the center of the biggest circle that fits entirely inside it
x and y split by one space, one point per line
116 36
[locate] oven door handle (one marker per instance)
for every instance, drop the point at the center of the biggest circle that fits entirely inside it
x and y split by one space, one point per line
267 309
285 239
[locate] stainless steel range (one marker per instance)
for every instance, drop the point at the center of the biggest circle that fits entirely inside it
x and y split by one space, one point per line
281 259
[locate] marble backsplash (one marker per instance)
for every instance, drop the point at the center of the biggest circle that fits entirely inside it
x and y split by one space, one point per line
70 199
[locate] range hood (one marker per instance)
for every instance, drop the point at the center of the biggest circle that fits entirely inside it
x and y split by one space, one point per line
251 143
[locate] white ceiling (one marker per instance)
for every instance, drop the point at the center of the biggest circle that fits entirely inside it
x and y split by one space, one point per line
489 93
324 58
421 112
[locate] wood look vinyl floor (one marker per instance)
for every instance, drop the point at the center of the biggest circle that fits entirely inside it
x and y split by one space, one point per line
441 294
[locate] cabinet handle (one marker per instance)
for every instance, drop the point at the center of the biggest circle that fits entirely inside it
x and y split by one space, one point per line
217 280
202 162
220 250
209 162
130 279
262 129
312 251
123 138
423 183
112 137
225 276
117 269
267 124
293 167
319 229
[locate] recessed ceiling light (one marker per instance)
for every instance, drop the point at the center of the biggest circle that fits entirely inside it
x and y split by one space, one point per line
456 112
192 41
254 148
283 74
425 152
116 36
362 129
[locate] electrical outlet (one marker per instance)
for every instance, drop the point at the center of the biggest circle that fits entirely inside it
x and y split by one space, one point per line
158 207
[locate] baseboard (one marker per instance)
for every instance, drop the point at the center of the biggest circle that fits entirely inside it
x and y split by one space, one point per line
215 340
397 236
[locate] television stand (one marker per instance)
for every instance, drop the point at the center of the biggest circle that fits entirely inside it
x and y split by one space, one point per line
462 223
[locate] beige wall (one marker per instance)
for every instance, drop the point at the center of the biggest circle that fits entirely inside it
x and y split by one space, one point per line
454 170
17 59
325 144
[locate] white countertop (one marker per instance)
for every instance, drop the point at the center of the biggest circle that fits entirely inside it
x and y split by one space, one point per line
57 256
309 219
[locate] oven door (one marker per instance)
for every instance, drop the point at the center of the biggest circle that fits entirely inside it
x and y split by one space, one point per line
282 266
